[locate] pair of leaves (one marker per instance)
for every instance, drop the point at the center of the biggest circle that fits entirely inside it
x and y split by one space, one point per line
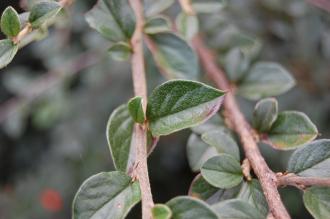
183 207
173 106
108 195
286 130
265 79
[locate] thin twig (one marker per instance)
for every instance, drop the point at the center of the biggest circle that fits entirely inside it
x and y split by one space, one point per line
267 177
140 131
301 182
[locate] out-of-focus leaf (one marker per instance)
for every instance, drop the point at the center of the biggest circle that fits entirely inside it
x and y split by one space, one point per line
160 211
236 64
187 25
42 12
215 122
120 51
317 201
108 195
10 23
251 192
180 104
236 208
184 207
8 51
209 6
222 141
290 130
135 109
312 159
265 79
175 56
265 114
113 19
154 7
222 171
198 152
157 24
201 189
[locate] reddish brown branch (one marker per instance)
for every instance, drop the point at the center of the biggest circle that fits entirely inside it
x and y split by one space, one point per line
267 177
302 182
140 131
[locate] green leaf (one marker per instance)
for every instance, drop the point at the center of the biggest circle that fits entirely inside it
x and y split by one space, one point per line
290 130
237 209
160 211
312 159
135 109
180 104
215 122
8 51
198 152
223 142
265 114
187 25
157 24
236 64
184 207
201 189
119 135
209 6
120 51
113 19
265 79
154 7
43 12
107 195
251 192
317 201
10 23
222 171
175 56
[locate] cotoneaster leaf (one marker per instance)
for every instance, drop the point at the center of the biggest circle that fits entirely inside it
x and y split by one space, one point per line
187 25
312 159
154 7
120 51
107 195
113 19
236 64
42 12
265 79
175 56
201 189
157 24
290 130
236 208
8 51
222 171
317 201
10 22
135 109
161 211
180 104
209 6
265 114
184 207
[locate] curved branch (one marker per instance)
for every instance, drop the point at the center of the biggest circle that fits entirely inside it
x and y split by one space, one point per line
302 182
140 131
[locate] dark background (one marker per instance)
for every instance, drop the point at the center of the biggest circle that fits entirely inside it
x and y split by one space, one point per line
50 144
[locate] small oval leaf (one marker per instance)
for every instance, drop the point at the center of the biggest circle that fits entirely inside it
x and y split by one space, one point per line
265 114
175 56
187 25
154 7
317 201
222 171
312 159
10 22
180 104
290 130
157 24
120 51
201 189
8 51
236 64
42 12
107 195
135 109
223 142
265 79
209 6
184 207
160 211
237 209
